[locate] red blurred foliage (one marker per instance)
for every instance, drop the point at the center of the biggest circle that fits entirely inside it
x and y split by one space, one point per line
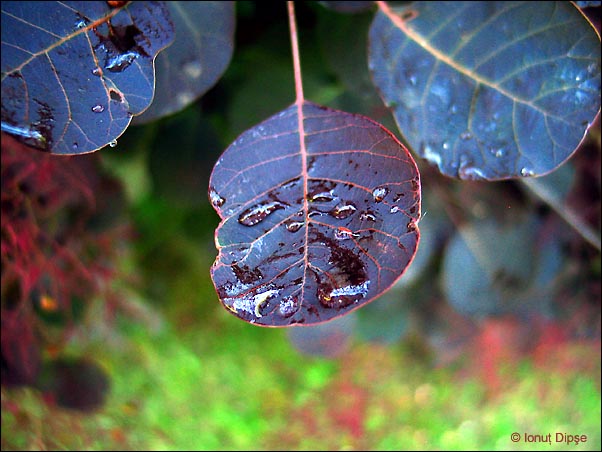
54 248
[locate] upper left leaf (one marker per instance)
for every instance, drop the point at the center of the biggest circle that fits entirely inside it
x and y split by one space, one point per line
74 73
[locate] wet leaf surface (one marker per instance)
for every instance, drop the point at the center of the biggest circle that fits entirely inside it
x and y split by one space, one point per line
319 216
488 90
197 58
74 73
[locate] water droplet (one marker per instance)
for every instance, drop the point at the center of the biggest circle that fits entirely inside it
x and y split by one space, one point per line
379 193
394 209
80 23
344 234
215 198
293 226
343 211
23 132
289 306
468 171
113 143
258 213
413 79
368 215
499 153
74 146
430 154
592 68
525 172
118 63
98 108
453 109
466 135
445 145
340 297
193 69
325 196
97 71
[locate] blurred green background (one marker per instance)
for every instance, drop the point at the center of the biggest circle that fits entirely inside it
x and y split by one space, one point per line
457 355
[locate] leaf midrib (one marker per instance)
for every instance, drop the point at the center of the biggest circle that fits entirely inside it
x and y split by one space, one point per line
440 56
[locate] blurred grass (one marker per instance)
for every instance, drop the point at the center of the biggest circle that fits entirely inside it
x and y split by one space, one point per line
220 384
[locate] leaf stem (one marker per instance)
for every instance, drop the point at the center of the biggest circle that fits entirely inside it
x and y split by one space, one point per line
295 47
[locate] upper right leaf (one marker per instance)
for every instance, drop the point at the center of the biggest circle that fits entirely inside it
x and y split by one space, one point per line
488 90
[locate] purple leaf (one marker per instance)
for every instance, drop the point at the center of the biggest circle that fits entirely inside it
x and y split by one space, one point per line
319 214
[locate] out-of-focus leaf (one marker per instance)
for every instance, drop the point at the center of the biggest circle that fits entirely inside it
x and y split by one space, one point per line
74 73
196 60
329 339
319 214
385 320
348 6
489 269
78 384
488 90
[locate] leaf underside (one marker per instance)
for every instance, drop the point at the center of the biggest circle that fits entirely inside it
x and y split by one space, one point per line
319 216
488 90
74 73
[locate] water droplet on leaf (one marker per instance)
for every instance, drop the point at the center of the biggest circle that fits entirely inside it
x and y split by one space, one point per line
120 62
193 69
293 226
468 170
394 209
326 196
98 108
215 198
113 143
525 172
289 306
343 211
344 234
379 193
258 213
340 297
466 135
368 215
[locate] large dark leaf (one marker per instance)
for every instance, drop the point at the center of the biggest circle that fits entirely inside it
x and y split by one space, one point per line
488 90
319 216
195 61
74 73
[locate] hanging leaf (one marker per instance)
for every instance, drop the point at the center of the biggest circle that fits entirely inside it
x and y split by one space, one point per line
319 214
488 90
74 73
196 60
